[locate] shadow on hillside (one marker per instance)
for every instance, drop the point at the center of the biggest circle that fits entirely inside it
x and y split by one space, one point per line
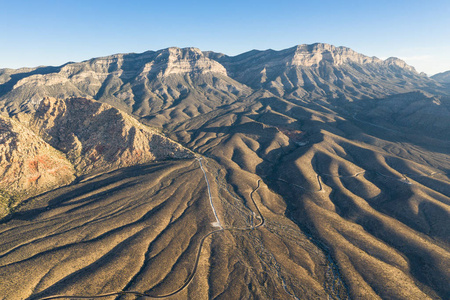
8 86
62 196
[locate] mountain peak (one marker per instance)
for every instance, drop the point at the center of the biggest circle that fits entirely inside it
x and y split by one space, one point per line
312 54
394 61
322 70
176 60
318 47
183 50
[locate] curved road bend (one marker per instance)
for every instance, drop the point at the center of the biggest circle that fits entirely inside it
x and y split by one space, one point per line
262 221
197 259
319 178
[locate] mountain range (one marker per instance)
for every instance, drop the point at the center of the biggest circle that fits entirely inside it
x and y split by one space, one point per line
313 172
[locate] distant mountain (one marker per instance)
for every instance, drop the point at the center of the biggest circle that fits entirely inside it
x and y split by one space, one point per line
182 82
172 85
322 70
443 77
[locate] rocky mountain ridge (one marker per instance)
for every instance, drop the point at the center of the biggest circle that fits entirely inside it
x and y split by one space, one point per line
323 71
176 84
97 137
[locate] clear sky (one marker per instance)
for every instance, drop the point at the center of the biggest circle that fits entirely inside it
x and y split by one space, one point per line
52 32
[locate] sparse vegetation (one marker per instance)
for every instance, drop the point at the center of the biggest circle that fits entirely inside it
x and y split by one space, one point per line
5 203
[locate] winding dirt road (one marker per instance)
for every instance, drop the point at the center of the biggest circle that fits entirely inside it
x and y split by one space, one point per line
197 259
259 216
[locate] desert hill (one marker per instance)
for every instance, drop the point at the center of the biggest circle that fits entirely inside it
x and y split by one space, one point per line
97 137
64 138
342 183
28 165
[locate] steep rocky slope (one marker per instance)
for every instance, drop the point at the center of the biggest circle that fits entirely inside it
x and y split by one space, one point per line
97 137
322 70
182 82
28 165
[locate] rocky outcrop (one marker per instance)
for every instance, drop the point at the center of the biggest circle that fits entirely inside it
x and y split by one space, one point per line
182 61
307 72
97 137
28 165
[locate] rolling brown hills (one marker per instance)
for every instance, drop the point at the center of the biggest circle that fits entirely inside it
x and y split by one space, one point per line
313 172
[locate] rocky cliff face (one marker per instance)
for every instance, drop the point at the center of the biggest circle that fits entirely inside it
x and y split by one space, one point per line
142 84
314 71
97 137
89 76
315 54
173 85
28 165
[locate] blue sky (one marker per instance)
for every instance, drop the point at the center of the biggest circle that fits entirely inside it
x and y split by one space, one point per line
48 32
